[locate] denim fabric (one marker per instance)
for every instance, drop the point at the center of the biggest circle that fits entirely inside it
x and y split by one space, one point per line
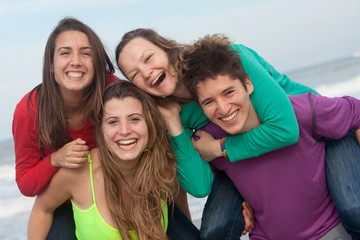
343 178
179 226
63 226
222 216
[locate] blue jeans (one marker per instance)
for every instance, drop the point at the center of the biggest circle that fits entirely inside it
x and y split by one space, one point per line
179 226
343 178
63 226
222 216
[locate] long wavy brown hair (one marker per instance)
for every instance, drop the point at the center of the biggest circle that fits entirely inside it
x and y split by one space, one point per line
51 114
155 174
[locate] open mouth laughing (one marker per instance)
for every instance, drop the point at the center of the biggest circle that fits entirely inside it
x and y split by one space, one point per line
158 80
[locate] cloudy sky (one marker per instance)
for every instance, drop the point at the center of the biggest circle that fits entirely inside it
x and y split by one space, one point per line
289 34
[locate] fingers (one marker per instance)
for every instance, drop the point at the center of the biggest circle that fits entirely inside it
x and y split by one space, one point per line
248 213
204 134
72 155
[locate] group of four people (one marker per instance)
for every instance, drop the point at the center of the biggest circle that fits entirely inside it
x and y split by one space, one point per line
84 135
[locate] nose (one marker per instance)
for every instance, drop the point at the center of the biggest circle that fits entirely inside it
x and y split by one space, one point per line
124 128
75 59
146 72
222 106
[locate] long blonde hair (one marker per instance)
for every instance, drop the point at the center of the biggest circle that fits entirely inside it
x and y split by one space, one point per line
155 174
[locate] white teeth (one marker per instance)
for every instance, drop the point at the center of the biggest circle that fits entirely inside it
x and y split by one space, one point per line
231 117
153 83
75 74
127 142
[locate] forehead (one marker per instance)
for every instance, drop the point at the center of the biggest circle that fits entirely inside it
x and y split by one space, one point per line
123 106
140 43
72 37
134 50
213 86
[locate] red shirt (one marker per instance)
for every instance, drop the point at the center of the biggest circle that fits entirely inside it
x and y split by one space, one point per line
33 169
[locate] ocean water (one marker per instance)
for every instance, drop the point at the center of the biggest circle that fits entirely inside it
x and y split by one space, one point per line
337 78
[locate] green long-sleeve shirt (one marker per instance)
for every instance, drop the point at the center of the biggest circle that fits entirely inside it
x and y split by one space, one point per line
279 127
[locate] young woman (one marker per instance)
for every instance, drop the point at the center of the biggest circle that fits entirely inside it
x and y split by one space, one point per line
152 63
123 191
53 124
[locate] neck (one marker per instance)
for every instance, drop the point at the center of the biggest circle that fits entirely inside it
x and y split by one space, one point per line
72 102
252 122
128 170
182 94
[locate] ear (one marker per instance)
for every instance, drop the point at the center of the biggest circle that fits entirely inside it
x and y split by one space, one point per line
249 85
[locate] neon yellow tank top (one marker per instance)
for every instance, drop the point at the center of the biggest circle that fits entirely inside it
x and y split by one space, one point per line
89 223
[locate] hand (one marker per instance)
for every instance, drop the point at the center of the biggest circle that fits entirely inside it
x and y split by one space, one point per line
357 136
72 155
171 113
208 147
248 213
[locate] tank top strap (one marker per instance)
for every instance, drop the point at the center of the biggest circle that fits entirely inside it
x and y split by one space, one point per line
91 179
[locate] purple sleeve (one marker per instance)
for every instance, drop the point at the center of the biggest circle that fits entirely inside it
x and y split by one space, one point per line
336 116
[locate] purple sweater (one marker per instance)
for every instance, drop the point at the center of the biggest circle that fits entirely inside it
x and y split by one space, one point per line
287 187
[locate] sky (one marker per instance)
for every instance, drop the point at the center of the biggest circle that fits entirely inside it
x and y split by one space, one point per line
289 34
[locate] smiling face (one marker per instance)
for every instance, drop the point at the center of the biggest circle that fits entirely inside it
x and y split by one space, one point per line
124 128
147 66
227 103
73 65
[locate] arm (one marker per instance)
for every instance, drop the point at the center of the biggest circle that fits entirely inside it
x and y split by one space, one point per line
290 87
194 174
336 116
42 213
33 169
35 164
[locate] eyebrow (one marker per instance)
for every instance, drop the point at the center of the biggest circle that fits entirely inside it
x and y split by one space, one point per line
138 114
224 91
69 48
205 100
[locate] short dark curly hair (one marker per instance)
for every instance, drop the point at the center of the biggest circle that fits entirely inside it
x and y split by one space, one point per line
210 57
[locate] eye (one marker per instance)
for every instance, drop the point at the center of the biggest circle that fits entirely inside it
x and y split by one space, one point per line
133 76
229 92
135 119
206 103
148 58
111 122
64 53
86 53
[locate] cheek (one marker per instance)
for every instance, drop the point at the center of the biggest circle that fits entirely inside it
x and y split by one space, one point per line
108 134
145 135
209 112
90 65
139 83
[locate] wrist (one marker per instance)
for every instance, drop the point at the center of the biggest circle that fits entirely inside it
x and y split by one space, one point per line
52 160
217 148
223 149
